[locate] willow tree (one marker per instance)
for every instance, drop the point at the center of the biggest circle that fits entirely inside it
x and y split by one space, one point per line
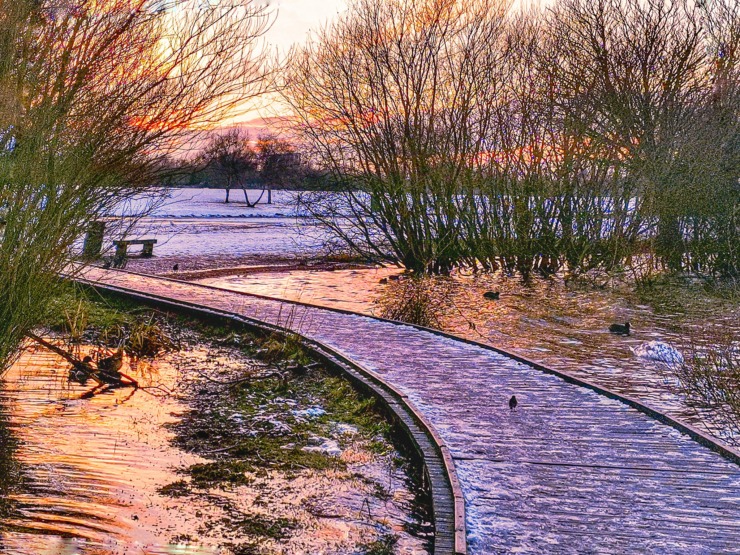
656 82
92 94
396 99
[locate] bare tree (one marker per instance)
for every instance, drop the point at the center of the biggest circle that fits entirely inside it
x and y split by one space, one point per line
583 137
92 94
638 71
280 164
554 198
399 118
231 160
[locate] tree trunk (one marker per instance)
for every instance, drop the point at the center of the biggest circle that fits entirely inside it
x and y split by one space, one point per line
669 243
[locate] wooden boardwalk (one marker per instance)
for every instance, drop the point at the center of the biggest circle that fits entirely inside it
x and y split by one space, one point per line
569 471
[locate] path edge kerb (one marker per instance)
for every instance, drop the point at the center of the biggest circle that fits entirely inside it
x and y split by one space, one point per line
715 444
447 497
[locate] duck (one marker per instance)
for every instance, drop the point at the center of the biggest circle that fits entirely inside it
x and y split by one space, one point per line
108 367
81 371
86 363
620 329
492 295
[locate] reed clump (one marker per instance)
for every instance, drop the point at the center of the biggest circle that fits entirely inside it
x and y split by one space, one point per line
414 301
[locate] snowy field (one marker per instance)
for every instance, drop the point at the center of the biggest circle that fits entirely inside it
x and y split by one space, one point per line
197 222
209 203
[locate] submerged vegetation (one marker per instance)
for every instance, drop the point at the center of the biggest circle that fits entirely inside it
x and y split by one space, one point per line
709 375
418 300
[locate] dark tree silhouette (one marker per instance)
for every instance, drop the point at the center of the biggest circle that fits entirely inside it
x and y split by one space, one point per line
230 159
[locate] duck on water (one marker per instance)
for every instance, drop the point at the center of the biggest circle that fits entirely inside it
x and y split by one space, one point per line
620 329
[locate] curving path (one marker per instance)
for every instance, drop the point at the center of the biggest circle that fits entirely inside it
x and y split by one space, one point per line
569 471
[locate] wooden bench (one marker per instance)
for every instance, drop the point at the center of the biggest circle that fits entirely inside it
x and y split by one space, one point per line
122 247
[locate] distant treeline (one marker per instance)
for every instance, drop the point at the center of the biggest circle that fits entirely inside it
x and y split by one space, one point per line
592 135
231 160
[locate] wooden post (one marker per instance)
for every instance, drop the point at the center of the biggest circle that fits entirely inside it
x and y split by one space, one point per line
93 240
148 250
119 259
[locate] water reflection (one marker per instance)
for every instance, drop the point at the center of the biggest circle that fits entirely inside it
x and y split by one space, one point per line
87 462
93 469
10 470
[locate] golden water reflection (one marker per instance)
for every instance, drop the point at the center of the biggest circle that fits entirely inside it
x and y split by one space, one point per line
81 476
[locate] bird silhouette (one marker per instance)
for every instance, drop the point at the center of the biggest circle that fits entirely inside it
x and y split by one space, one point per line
108 368
113 363
513 402
176 267
620 329
492 295
80 371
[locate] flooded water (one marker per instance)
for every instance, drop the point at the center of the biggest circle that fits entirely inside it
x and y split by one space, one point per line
85 475
357 289
563 327
84 466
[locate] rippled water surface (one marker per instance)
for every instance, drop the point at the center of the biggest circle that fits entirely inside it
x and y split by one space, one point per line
82 476
88 469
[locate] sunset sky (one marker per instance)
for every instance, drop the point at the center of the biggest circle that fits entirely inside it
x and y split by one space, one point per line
295 19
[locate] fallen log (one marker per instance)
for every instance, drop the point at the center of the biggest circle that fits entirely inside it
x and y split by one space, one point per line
74 361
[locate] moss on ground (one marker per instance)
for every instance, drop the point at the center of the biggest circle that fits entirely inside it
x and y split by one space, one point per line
219 473
180 488
244 428
263 526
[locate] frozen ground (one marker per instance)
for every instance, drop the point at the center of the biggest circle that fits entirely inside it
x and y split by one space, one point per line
182 237
209 203
197 223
